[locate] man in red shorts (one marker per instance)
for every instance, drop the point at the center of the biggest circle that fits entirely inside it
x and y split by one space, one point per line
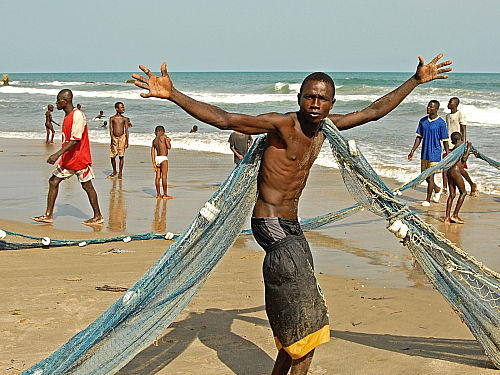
75 159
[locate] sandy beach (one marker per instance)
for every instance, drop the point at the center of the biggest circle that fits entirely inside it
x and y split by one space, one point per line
385 317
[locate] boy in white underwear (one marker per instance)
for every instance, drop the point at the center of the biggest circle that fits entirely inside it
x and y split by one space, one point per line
159 157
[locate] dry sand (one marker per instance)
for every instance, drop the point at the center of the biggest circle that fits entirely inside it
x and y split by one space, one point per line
385 318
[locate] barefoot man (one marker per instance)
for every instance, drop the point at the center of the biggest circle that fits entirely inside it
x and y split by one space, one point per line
118 130
48 124
75 159
295 306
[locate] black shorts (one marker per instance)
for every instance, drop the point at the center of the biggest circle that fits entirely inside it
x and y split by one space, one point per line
295 305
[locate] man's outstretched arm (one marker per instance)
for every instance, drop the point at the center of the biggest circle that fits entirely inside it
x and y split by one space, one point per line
384 105
162 87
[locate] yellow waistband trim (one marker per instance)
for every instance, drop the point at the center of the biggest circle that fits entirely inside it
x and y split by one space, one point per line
302 347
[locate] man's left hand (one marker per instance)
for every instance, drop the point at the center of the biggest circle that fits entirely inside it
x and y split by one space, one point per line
431 71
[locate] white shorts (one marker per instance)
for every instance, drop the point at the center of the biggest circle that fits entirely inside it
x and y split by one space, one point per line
83 175
160 159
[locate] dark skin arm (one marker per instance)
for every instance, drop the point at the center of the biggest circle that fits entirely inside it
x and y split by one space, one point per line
162 87
68 146
382 106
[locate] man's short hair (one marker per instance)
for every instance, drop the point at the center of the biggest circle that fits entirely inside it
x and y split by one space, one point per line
117 104
455 98
455 137
435 102
321 77
66 94
159 128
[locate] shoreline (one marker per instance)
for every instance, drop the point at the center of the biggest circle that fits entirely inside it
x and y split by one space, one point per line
384 315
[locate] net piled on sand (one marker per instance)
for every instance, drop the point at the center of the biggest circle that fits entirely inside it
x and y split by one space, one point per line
471 288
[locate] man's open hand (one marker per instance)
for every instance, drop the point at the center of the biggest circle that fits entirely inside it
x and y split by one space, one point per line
431 71
159 87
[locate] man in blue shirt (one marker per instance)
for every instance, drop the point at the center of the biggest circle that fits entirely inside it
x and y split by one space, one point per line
431 132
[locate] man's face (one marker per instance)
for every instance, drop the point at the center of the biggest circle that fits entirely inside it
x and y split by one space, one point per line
120 108
432 108
60 102
452 104
316 100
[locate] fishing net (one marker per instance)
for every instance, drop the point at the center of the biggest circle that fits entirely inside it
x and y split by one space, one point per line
472 289
148 307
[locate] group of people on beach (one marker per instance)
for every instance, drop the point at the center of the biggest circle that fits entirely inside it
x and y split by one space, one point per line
432 130
295 305
75 156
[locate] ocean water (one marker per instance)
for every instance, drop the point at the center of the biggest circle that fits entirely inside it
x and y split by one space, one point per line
384 143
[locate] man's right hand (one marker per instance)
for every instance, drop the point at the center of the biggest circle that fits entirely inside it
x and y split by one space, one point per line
159 87
53 158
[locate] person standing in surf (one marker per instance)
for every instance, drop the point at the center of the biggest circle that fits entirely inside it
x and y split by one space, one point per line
48 124
295 305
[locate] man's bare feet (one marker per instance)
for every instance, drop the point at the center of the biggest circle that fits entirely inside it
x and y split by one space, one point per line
447 220
473 192
113 174
456 219
167 197
52 143
120 177
94 221
43 219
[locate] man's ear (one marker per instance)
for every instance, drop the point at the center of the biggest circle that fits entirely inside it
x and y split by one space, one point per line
333 102
298 98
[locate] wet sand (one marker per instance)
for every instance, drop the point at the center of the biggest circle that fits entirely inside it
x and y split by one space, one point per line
384 315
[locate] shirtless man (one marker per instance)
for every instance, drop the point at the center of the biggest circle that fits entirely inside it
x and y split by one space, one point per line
48 124
159 156
455 180
118 130
295 306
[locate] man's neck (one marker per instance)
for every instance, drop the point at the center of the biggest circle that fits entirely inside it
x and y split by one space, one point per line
433 116
68 109
454 110
309 129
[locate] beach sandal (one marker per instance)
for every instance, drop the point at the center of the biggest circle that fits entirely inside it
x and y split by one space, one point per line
42 219
96 222
457 220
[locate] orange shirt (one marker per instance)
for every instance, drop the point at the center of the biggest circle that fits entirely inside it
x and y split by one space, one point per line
74 128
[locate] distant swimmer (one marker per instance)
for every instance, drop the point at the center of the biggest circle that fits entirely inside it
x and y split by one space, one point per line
79 106
104 125
99 116
455 180
75 160
118 130
48 124
194 129
159 156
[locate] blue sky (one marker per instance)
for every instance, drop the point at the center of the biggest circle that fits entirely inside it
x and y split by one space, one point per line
257 35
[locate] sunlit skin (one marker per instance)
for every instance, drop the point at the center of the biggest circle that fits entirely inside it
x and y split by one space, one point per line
293 142
118 125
